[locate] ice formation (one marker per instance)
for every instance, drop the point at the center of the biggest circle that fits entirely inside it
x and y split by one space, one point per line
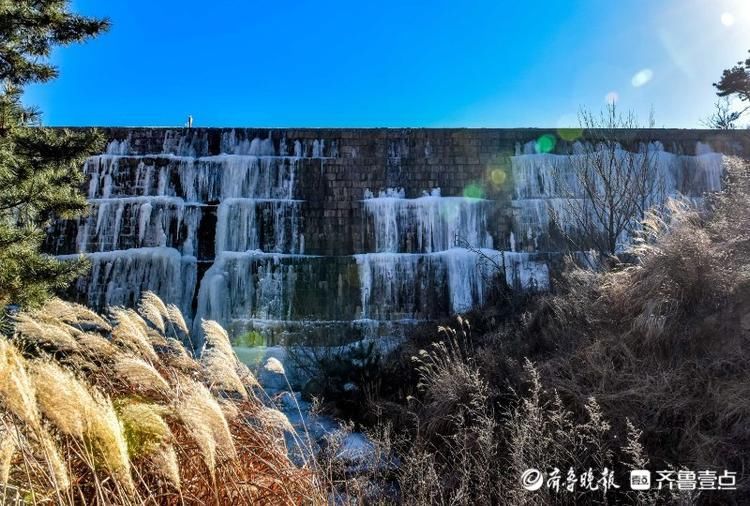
427 224
427 255
548 188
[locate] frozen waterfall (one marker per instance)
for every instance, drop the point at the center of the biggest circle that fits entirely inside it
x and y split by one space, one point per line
549 189
273 233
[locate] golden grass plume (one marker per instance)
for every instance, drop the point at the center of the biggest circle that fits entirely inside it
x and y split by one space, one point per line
116 411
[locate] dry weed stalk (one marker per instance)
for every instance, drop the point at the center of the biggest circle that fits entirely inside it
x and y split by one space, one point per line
120 413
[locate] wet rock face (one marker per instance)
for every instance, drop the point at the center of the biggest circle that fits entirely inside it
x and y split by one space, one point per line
334 233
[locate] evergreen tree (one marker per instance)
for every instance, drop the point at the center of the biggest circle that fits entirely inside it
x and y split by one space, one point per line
734 82
40 169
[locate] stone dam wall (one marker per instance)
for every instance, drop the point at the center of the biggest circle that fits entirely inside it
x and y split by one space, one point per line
338 234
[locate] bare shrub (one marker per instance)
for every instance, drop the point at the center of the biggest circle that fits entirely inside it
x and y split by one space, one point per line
607 190
668 352
461 450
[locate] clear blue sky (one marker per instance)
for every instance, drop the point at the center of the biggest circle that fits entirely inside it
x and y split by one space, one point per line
359 63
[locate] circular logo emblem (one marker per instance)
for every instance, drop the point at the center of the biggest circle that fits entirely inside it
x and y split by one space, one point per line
532 479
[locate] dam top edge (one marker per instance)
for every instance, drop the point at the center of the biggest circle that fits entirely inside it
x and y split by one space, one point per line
365 139
400 141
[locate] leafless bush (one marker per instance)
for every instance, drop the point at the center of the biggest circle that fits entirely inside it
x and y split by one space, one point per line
607 190
723 116
462 452
668 351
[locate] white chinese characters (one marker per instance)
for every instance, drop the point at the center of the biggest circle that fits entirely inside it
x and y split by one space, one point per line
640 479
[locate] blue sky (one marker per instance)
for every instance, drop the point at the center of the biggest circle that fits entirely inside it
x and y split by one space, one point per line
475 63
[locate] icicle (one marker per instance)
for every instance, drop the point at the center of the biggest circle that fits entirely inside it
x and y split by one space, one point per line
240 220
426 224
119 277
547 185
522 272
154 204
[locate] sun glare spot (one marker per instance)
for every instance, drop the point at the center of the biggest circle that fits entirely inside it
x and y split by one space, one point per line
727 19
568 127
642 77
569 134
545 143
449 211
474 191
498 177
612 97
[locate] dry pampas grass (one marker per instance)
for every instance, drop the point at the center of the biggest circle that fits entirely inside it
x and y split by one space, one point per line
131 334
154 310
54 335
16 389
274 419
57 310
139 374
174 316
119 412
274 365
8 448
218 339
222 374
62 398
203 416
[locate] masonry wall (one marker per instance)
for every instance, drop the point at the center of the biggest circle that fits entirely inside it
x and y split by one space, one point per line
418 160
333 171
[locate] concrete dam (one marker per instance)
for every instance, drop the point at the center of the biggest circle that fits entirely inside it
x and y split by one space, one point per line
326 235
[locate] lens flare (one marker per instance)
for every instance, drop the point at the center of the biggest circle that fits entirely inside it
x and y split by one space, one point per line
449 211
570 134
545 143
568 127
727 19
474 191
642 77
612 97
498 177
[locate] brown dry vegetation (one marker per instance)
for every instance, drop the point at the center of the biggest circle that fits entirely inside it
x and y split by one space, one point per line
666 341
115 411
644 364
